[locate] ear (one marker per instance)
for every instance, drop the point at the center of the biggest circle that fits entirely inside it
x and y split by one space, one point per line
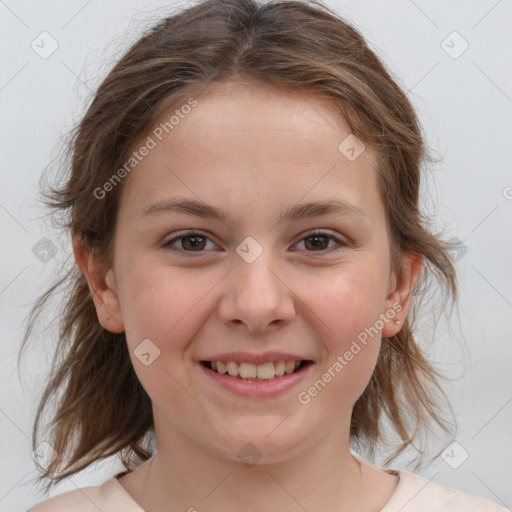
400 294
102 288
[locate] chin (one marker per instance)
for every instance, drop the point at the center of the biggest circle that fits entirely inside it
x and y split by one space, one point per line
268 443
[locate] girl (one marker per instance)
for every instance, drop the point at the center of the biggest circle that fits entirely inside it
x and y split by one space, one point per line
243 208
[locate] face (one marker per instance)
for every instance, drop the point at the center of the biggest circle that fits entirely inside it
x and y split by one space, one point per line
187 287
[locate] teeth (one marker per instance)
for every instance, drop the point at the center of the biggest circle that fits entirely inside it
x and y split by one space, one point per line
232 368
266 371
279 368
290 366
246 370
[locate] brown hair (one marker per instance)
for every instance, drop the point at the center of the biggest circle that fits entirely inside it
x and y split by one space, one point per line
303 46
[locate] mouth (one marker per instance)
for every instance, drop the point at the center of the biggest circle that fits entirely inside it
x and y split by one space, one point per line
266 372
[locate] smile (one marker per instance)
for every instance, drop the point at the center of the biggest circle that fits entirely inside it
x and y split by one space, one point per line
256 380
266 371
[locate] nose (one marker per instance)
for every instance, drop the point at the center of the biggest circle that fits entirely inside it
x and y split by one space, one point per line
255 295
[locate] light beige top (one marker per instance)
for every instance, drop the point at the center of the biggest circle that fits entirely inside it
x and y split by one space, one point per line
414 493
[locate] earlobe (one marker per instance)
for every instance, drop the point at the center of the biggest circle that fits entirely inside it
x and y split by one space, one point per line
102 287
399 300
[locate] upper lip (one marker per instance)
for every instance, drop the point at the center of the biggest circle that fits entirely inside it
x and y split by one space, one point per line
255 358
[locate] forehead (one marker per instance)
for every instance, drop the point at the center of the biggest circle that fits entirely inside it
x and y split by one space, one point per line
256 146
267 114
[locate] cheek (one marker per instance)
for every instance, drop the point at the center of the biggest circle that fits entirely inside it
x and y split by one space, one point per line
167 307
346 306
346 300
162 303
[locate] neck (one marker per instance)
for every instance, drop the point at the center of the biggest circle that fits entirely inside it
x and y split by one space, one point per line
183 475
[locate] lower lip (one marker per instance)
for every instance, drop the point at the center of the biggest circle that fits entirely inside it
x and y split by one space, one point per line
257 389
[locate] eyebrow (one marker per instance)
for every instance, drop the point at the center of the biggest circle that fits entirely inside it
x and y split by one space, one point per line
301 211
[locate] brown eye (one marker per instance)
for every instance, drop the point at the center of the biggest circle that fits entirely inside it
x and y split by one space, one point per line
192 242
318 241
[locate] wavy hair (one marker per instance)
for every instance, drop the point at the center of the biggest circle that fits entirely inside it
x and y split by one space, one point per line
101 407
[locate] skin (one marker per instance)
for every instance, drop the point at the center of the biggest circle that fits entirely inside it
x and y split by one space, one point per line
253 152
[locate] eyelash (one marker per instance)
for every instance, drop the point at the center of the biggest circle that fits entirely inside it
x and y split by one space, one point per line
312 234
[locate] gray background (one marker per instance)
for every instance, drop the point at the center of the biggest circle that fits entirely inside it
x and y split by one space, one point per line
464 102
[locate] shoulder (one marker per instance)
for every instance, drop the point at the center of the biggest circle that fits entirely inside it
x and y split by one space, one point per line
76 500
108 497
415 492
